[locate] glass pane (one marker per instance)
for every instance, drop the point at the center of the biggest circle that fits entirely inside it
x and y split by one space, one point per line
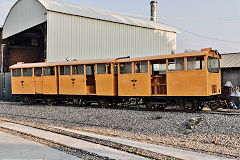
90 69
213 65
49 71
141 67
38 72
176 64
159 68
65 70
27 72
125 68
195 63
115 69
171 65
101 68
16 72
109 68
78 70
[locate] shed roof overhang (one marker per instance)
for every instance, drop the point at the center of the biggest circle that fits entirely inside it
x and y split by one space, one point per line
23 15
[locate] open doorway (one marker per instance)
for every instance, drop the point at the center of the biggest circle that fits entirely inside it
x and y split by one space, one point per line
159 78
90 79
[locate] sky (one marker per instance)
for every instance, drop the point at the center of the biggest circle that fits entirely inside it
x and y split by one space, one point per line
202 23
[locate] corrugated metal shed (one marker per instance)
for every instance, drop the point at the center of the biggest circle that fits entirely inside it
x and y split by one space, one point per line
32 16
72 37
231 60
103 15
81 33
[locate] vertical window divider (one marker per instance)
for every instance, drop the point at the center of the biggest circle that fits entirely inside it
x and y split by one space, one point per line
185 63
166 65
133 67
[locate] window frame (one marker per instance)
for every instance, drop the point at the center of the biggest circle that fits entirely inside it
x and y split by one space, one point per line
18 72
78 71
202 63
93 69
24 75
211 71
35 71
159 70
175 62
60 71
105 67
54 70
140 69
131 71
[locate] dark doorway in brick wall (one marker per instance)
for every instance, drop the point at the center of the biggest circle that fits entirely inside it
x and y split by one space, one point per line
28 47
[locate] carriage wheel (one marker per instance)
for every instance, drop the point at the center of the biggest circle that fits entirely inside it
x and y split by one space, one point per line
27 100
201 106
214 106
103 103
191 107
161 107
50 101
75 101
151 106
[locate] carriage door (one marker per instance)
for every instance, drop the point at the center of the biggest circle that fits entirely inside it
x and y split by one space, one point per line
78 80
158 74
38 80
90 79
50 80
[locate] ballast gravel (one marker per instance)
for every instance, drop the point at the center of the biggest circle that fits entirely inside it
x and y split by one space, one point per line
202 132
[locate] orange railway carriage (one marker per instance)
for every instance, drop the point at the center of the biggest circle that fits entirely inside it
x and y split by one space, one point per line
189 79
172 75
80 78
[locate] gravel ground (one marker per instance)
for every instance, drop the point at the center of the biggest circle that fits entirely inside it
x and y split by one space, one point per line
208 133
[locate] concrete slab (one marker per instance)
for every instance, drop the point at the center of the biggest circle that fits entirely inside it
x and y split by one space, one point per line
72 142
12 147
177 153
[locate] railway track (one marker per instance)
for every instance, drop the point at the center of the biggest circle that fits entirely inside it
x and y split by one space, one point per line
228 112
95 146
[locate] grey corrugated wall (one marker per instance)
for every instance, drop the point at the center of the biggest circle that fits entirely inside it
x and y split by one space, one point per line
73 37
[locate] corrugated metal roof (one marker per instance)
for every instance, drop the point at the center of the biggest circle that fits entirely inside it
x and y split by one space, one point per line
231 60
103 15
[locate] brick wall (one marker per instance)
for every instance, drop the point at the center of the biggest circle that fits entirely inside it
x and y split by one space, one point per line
26 55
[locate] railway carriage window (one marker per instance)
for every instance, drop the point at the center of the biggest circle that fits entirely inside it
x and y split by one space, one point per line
195 63
78 70
101 68
213 65
109 68
27 72
90 69
65 70
159 68
38 72
16 72
141 67
49 71
176 64
125 68
116 69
